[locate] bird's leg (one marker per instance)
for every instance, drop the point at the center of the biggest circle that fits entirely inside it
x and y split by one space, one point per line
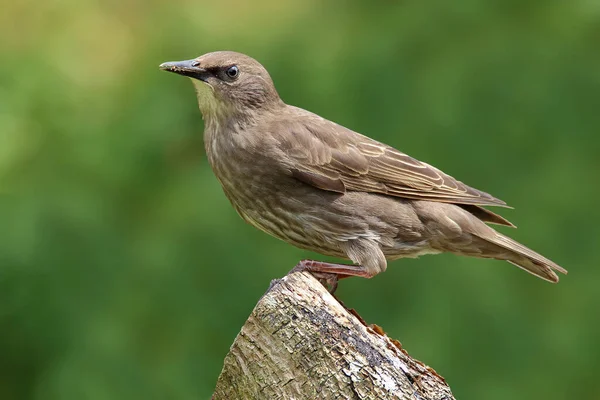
329 273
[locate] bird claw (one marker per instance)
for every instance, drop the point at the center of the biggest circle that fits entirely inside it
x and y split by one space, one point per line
327 279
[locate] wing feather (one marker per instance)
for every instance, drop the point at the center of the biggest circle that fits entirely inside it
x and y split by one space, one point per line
331 157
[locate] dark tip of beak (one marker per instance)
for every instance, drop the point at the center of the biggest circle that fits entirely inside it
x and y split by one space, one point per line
186 68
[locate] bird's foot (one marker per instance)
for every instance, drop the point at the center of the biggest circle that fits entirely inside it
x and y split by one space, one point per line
327 279
328 273
330 281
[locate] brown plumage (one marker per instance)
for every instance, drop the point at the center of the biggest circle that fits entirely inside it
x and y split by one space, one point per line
325 188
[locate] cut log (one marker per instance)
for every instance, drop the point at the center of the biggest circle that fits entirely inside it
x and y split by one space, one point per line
301 343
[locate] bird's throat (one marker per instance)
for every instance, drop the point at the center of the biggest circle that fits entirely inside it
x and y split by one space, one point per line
210 106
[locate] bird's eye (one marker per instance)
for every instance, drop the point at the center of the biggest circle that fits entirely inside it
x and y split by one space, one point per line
232 72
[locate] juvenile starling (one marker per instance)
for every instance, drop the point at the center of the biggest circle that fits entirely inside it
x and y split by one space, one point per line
324 188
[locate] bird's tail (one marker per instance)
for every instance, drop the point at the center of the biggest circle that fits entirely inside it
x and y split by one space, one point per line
525 258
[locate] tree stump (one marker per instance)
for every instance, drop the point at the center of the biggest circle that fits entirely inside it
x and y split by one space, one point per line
301 343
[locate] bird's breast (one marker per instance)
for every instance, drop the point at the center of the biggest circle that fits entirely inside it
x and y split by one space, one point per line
246 178
261 194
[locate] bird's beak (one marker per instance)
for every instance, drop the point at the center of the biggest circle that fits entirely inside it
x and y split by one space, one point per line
186 68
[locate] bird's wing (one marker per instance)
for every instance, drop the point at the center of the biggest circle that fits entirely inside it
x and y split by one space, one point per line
331 157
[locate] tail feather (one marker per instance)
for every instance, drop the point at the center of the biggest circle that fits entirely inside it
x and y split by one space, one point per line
527 259
486 215
463 230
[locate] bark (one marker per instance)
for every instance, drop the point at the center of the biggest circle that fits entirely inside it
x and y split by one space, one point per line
301 343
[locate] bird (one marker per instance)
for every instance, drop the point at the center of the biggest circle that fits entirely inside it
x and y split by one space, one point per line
325 188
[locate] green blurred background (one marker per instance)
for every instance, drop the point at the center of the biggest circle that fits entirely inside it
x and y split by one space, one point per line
126 274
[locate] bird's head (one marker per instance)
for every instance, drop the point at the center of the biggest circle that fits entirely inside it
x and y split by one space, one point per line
227 82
